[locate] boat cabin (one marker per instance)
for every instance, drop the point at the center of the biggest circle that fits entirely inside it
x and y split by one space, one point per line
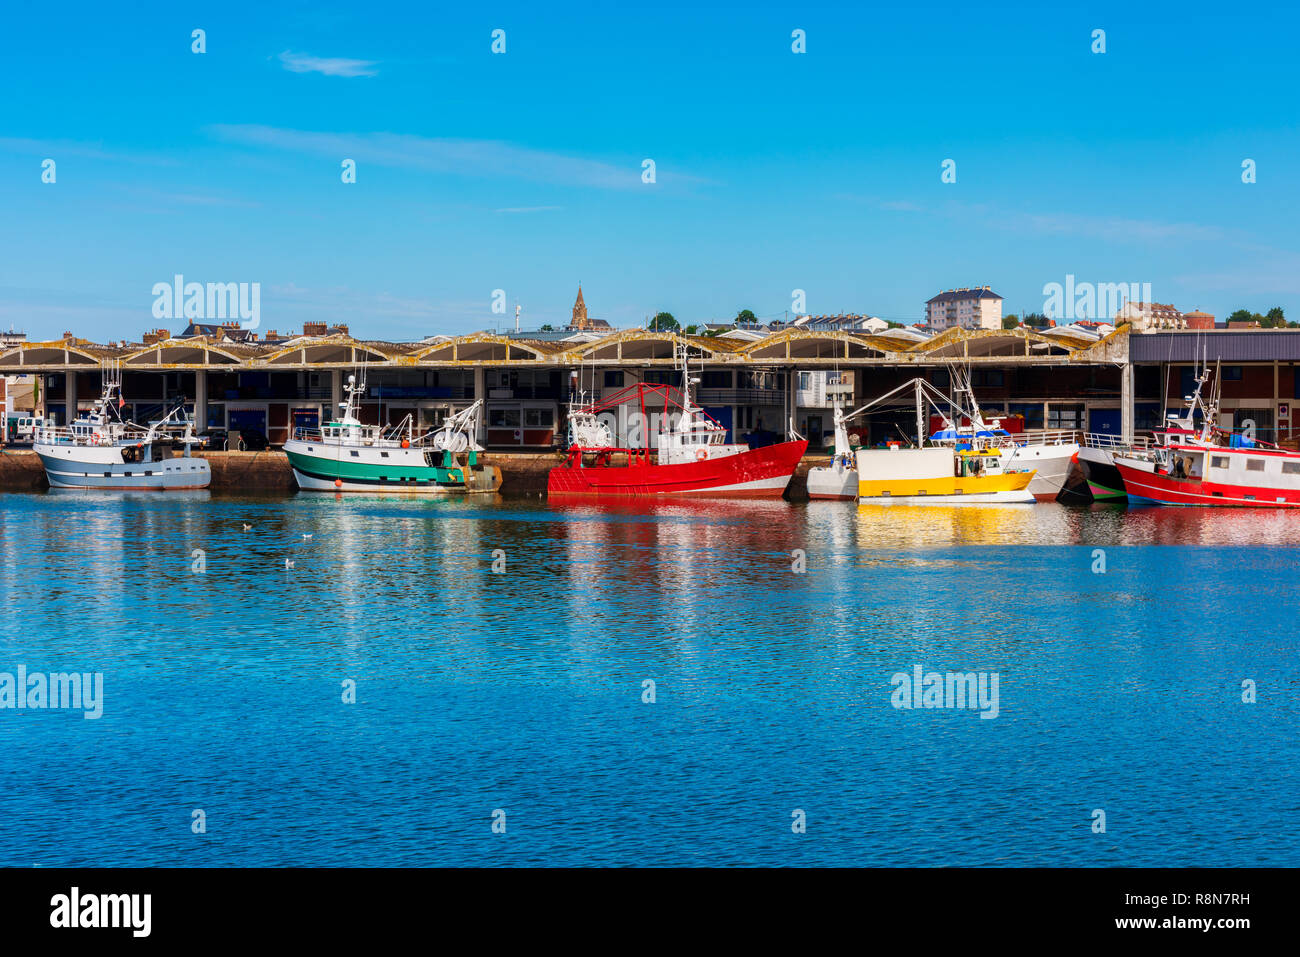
969 463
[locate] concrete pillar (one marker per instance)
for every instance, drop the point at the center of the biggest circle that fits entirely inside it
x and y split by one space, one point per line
69 397
200 400
791 398
336 395
1126 411
1277 423
480 392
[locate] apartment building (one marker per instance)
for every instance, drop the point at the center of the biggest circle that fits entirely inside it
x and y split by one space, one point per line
966 308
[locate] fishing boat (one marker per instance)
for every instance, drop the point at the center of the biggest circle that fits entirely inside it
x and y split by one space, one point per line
1250 474
979 458
348 456
690 457
100 450
837 481
1212 466
1097 462
1051 453
940 475
1097 452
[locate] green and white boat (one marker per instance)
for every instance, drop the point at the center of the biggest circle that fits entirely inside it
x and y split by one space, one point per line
347 456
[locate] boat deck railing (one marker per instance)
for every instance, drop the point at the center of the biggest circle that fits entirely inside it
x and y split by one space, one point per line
64 435
1108 440
384 441
1044 437
1028 437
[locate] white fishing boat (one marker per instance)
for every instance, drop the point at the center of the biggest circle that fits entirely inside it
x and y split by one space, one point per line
839 480
99 450
348 456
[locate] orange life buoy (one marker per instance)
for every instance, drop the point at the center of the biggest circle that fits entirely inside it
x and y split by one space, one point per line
701 454
406 443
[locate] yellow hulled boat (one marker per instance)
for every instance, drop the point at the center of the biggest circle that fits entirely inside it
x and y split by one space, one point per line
939 475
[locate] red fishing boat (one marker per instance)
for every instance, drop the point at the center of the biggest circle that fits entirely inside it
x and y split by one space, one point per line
1212 466
1243 473
691 455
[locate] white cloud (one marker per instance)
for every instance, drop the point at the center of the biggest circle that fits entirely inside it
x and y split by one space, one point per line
479 158
330 66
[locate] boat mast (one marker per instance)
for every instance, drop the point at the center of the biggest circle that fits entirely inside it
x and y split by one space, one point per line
920 434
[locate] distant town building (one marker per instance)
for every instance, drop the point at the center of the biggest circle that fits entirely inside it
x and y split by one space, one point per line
580 322
1198 320
234 332
842 323
319 329
1151 316
1243 324
974 308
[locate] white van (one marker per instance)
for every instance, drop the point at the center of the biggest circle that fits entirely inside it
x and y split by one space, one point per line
25 430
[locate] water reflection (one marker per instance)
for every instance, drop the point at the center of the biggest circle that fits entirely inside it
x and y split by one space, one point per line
522 688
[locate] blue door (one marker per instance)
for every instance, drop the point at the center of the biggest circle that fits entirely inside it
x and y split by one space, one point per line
1105 421
248 420
723 414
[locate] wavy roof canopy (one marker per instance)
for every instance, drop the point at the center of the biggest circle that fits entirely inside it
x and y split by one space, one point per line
629 346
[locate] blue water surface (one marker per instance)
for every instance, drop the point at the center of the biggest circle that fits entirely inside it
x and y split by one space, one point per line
1121 637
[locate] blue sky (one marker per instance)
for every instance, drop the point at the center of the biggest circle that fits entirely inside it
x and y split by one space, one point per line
522 171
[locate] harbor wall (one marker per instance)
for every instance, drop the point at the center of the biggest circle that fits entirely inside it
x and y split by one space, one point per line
522 473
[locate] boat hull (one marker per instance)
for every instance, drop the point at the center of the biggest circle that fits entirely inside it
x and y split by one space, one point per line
1005 497
1051 464
833 483
1103 478
936 475
65 470
756 473
1145 485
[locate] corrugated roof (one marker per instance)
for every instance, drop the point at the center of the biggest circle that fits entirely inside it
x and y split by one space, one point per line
1260 345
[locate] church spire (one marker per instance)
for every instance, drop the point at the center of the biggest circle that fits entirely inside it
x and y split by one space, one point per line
579 320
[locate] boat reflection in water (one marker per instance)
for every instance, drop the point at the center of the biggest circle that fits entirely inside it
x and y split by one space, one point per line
1208 526
935 526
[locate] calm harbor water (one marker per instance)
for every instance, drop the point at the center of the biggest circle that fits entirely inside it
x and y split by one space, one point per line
1120 690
